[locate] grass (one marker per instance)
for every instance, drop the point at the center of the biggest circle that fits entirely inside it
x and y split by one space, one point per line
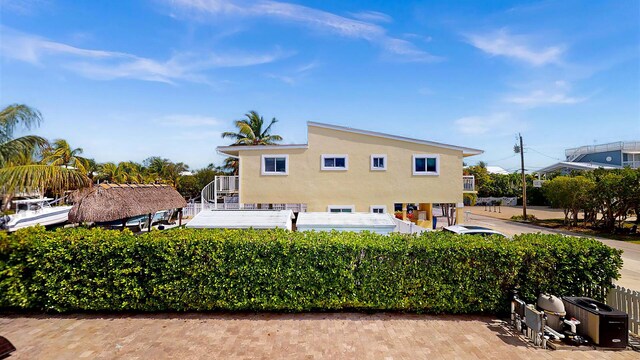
558 224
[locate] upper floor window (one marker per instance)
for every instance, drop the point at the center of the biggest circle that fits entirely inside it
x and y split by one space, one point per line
378 162
378 209
426 164
341 208
275 164
334 162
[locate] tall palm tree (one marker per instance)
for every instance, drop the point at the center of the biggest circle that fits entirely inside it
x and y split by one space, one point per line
251 131
171 172
231 165
60 153
29 177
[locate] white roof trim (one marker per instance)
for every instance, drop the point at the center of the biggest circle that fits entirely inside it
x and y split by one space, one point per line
224 149
465 150
576 166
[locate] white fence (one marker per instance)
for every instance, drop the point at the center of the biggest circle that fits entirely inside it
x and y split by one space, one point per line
504 201
407 227
191 209
628 301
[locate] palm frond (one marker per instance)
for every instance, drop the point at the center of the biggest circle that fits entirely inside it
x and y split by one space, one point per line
27 178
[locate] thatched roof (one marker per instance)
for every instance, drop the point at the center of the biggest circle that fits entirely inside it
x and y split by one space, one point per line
110 202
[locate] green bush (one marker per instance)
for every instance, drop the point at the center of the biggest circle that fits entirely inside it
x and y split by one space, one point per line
185 269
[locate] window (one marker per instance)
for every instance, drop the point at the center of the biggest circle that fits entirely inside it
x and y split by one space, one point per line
378 209
379 162
341 208
334 162
275 164
426 164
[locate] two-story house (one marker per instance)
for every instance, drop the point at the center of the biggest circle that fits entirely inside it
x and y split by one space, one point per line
341 169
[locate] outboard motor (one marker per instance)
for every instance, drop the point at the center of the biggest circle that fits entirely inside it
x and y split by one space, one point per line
4 220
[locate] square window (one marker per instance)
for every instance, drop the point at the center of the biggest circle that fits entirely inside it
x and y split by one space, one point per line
426 164
378 209
275 164
378 162
341 208
334 162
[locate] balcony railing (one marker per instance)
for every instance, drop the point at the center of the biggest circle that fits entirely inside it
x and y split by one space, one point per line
468 183
631 164
590 149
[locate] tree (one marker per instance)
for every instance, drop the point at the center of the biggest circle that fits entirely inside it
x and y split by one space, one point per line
251 132
572 194
231 165
172 172
16 176
60 153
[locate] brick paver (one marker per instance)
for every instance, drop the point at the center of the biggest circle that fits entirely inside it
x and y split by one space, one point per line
272 336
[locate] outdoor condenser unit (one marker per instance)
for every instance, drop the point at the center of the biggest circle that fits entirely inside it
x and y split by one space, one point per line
604 325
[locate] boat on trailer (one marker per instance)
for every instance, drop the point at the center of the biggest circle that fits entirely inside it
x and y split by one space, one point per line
31 212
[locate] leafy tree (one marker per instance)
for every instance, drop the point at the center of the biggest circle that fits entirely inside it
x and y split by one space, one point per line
569 193
251 131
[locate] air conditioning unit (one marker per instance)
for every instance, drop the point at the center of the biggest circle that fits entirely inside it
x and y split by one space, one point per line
602 324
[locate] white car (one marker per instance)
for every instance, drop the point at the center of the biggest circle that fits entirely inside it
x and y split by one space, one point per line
472 230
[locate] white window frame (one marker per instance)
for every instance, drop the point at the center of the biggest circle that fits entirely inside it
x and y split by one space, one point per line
325 168
274 173
383 156
334 207
428 173
383 207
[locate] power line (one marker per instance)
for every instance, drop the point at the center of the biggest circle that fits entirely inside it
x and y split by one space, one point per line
494 161
550 157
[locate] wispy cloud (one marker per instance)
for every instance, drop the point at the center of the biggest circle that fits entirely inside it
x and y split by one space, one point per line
557 94
372 16
295 75
496 124
519 47
185 120
313 18
108 65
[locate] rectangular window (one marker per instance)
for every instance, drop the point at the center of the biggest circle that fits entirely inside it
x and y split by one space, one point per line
378 162
378 209
426 164
341 208
275 164
334 162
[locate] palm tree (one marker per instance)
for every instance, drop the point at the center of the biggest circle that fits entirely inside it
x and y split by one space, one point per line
60 153
171 172
18 176
250 131
231 165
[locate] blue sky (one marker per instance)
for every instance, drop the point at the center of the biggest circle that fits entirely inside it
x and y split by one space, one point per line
129 79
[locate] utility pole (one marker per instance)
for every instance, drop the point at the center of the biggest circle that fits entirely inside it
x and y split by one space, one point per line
524 181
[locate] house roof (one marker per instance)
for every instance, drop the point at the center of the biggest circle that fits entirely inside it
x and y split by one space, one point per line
328 220
242 219
110 202
234 150
575 166
497 170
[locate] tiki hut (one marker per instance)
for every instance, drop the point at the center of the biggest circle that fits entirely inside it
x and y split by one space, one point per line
111 202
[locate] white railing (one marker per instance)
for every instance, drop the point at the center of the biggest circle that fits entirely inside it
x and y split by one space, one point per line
468 183
407 227
191 210
504 201
628 301
589 149
228 184
631 164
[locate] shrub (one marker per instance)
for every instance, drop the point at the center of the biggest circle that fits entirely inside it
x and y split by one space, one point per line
187 269
530 217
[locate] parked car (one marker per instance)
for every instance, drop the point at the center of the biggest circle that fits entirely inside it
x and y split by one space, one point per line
472 230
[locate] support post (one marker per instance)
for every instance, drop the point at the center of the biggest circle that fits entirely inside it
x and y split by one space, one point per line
404 211
149 224
459 213
524 182
180 217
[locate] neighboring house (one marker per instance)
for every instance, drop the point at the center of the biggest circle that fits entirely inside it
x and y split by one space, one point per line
614 155
342 169
496 170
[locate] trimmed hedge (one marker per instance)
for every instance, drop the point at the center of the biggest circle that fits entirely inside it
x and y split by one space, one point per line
184 269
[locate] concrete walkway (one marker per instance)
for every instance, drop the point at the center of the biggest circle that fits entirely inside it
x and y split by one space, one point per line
274 336
631 256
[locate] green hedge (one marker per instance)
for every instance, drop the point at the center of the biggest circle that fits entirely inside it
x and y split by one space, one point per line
183 269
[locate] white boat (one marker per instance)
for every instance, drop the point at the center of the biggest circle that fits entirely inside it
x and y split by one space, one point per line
31 212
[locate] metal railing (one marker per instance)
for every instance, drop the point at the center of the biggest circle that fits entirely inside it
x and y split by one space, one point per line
631 164
468 183
626 300
589 149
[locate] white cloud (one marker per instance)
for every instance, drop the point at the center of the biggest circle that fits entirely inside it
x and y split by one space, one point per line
184 120
107 65
373 16
314 18
558 94
496 124
295 75
502 43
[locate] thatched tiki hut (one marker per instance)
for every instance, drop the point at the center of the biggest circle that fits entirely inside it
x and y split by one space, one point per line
111 202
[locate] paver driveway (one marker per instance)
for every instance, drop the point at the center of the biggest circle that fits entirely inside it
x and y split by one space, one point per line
273 336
